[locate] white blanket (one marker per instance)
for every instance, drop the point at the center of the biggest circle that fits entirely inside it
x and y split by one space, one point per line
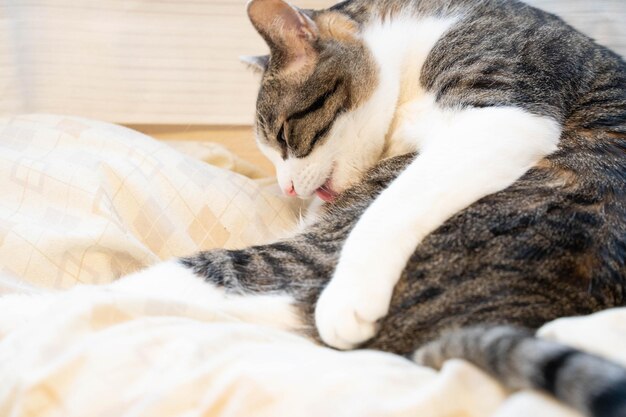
85 202
100 351
104 351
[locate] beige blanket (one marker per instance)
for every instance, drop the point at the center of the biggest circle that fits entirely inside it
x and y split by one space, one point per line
86 202
83 202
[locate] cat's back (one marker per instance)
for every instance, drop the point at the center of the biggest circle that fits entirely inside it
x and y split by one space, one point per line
501 53
505 52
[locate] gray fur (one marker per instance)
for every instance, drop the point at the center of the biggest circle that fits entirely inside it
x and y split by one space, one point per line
588 383
551 245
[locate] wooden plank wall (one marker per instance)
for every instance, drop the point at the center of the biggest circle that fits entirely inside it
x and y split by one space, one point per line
130 61
169 67
167 61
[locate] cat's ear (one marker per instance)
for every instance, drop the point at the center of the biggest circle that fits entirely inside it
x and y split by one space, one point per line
287 30
256 63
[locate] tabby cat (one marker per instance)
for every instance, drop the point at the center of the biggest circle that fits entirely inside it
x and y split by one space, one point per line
473 156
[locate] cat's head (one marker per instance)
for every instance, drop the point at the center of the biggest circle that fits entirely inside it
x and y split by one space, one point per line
310 120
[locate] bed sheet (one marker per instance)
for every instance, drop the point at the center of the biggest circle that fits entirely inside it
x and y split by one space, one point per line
84 202
110 351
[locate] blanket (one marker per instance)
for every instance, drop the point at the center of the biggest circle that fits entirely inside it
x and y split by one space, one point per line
84 202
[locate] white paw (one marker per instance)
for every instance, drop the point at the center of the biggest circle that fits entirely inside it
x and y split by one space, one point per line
349 307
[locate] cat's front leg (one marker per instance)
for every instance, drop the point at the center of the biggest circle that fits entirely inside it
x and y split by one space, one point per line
472 153
232 284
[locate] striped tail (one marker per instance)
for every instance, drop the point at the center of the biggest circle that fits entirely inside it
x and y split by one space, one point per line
594 386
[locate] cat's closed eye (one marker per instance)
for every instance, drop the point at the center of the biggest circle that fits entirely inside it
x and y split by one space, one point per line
282 138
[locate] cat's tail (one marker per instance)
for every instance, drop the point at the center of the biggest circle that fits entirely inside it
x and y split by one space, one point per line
592 385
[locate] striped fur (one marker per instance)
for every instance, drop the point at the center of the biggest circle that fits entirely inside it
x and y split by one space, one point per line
550 245
477 269
590 384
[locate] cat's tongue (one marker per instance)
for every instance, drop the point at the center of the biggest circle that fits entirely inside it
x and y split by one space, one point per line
325 192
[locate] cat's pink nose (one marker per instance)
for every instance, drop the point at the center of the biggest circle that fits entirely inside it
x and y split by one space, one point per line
290 190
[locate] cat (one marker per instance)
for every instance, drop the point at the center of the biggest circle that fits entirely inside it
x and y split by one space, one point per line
459 286
473 157
484 90
511 210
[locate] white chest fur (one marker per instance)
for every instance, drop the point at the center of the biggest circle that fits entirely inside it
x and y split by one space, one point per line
400 46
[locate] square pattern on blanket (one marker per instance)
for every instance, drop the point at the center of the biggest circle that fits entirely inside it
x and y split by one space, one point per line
86 202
